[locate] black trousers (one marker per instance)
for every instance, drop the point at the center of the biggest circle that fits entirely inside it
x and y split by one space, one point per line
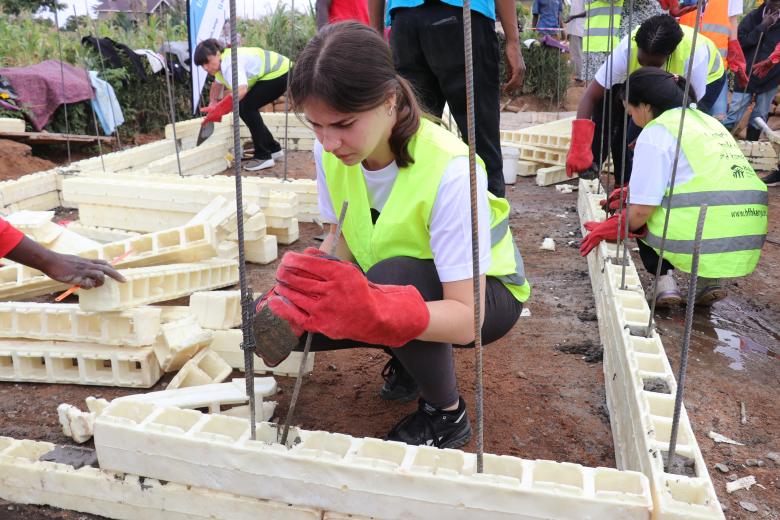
609 137
430 363
261 93
650 259
427 43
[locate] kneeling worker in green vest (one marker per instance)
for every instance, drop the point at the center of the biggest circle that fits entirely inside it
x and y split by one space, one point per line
659 42
711 170
403 280
262 78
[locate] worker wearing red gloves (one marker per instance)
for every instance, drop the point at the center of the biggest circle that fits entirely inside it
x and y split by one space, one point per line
759 38
407 229
262 78
659 42
71 269
711 170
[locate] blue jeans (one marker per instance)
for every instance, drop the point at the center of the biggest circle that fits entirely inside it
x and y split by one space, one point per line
740 102
720 107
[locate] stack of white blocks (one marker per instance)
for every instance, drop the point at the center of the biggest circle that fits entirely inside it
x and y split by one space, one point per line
542 150
641 420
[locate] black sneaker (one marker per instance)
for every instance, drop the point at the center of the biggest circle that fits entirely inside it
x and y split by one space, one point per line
431 426
772 178
399 384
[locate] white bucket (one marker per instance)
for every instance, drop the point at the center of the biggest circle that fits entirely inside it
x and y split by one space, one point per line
511 155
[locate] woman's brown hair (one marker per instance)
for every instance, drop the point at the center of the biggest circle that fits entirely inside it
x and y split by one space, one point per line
349 67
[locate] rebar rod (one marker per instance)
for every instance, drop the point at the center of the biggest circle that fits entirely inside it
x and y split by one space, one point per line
471 139
675 162
686 336
62 78
622 237
171 105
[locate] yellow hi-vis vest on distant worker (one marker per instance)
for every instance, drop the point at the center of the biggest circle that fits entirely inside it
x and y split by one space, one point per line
402 228
714 23
272 65
678 61
736 223
598 36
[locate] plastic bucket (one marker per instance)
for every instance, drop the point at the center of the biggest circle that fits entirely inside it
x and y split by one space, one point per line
511 155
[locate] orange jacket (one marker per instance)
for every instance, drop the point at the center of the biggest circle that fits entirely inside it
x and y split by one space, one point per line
714 23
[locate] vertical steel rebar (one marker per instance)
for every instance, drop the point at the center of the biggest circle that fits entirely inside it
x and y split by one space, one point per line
247 340
171 104
287 90
686 336
622 237
62 78
471 139
683 111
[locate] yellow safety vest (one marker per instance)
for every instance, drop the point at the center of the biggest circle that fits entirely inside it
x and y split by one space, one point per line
678 61
600 34
272 65
736 223
403 227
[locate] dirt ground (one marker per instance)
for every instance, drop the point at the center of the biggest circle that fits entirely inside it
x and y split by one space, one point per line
544 386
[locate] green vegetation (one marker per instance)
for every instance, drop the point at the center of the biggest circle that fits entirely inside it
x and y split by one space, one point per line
25 40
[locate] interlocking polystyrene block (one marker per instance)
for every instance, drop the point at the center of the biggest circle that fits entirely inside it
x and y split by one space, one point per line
374 478
26 480
179 341
28 187
130 158
101 234
552 175
11 124
145 285
227 344
44 201
265 250
84 364
217 309
76 424
205 368
212 154
36 224
215 397
67 322
169 313
640 419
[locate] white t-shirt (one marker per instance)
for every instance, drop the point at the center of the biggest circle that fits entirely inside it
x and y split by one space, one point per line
577 26
652 166
735 8
249 66
450 226
619 59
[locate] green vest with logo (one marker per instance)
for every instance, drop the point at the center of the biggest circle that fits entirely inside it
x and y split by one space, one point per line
678 61
736 222
272 65
601 35
403 227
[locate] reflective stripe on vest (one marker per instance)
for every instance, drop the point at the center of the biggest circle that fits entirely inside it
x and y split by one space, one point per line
598 36
714 23
736 223
678 61
402 228
272 65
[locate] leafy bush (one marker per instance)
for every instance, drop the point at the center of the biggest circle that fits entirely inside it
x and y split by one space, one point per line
26 41
547 69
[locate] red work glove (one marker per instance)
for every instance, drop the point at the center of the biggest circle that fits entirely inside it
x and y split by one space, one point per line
668 4
334 298
580 156
614 199
676 11
214 113
762 68
607 230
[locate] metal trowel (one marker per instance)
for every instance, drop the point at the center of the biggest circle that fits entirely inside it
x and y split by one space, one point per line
205 132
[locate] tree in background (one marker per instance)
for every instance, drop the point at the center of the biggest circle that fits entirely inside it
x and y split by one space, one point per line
16 7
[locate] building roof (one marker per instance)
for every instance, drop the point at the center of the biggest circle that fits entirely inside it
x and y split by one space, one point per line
130 6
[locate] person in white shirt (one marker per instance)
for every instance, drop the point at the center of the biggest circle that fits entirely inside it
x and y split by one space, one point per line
407 226
575 27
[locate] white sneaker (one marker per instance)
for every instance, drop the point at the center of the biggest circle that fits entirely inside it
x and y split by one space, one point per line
253 165
667 294
277 155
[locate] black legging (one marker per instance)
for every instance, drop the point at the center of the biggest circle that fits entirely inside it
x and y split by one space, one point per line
650 259
261 93
430 363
